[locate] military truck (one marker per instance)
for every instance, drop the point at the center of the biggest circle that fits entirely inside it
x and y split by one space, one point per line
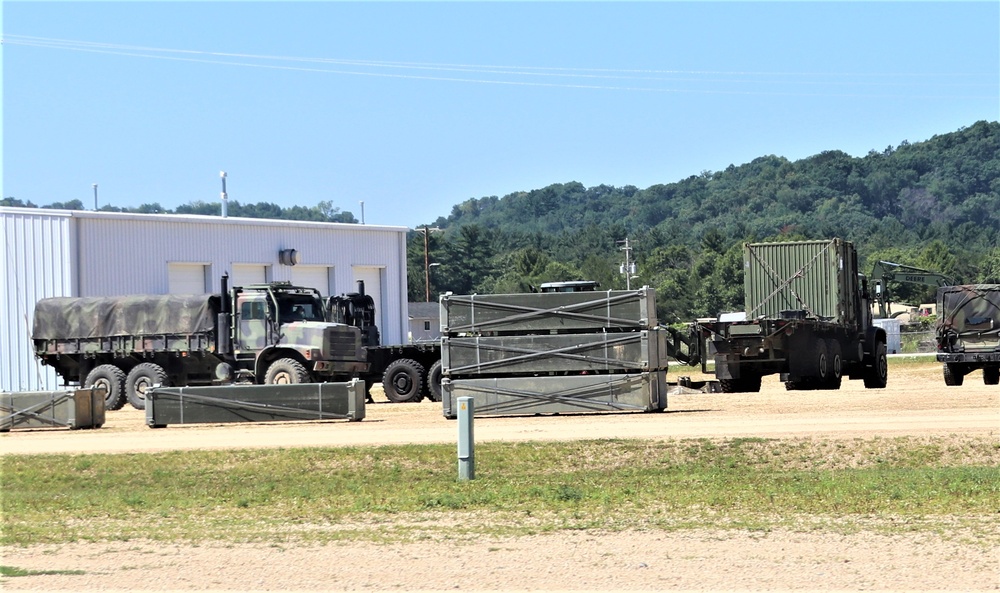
968 332
807 317
408 372
260 333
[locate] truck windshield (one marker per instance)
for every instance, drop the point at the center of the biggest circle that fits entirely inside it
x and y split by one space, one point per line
299 308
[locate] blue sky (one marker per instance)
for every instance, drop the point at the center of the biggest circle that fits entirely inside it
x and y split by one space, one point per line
416 107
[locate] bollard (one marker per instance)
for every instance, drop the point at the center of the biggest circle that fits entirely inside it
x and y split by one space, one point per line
466 444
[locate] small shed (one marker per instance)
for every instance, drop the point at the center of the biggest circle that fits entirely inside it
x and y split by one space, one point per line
425 322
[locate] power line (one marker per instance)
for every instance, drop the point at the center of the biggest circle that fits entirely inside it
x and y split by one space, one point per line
584 74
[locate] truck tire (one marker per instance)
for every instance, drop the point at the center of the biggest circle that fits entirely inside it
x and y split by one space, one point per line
112 380
403 381
835 356
953 376
836 365
821 361
877 377
434 382
140 378
285 371
991 375
749 383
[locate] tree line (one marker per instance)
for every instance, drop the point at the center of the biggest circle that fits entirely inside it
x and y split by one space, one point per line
322 212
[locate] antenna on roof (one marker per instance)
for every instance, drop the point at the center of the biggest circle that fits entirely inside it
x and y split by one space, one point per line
225 197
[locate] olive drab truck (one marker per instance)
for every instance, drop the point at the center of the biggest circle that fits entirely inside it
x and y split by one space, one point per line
260 333
968 332
807 317
408 372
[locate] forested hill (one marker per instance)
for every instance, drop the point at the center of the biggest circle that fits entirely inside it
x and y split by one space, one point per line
933 204
929 187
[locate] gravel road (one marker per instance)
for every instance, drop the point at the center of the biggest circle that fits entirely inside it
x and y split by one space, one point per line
915 403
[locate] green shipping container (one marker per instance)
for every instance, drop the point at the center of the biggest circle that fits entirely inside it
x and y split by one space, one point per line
808 279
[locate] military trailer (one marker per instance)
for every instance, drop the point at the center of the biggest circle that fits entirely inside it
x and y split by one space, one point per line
553 352
807 317
408 372
261 333
968 332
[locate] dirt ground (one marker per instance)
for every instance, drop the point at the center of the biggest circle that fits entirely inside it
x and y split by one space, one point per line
915 403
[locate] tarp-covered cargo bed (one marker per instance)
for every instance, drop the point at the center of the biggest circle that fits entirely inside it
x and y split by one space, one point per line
93 317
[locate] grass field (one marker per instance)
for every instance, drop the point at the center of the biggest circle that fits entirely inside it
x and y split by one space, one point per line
401 493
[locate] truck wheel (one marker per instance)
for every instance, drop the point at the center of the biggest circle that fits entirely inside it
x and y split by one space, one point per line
836 359
953 376
877 377
991 375
112 380
821 359
285 371
836 363
403 381
140 378
745 384
729 385
434 381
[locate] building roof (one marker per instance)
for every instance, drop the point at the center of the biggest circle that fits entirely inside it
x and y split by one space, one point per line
424 310
200 218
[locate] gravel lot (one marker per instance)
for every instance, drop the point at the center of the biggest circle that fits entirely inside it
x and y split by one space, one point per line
915 403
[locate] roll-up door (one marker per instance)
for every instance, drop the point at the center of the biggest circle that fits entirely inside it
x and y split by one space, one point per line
185 278
317 277
244 274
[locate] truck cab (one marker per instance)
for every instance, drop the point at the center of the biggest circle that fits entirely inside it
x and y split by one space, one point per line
281 335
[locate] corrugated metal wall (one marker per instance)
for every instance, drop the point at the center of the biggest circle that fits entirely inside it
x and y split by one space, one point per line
38 247
102 254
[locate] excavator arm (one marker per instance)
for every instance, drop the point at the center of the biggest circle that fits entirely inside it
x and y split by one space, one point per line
884 272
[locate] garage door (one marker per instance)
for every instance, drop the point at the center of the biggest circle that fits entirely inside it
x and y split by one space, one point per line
317 277
372 277
185 278
244 274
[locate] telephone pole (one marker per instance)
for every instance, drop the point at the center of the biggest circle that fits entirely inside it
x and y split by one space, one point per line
427 259
627 268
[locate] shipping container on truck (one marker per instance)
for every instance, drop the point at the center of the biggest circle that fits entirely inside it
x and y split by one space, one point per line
807 317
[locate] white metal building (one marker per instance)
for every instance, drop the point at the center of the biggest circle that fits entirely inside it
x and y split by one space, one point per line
47 253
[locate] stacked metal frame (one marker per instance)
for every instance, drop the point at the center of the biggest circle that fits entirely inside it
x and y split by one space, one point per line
553 353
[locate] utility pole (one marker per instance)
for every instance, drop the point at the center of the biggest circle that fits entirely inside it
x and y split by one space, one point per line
627 268
427 260
95 197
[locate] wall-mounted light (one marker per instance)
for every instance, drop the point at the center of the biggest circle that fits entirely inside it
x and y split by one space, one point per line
288 257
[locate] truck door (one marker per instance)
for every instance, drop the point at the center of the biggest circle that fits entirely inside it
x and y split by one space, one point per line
253 322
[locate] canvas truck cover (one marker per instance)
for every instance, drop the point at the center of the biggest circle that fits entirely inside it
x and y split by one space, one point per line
817 277
971 311
135 315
